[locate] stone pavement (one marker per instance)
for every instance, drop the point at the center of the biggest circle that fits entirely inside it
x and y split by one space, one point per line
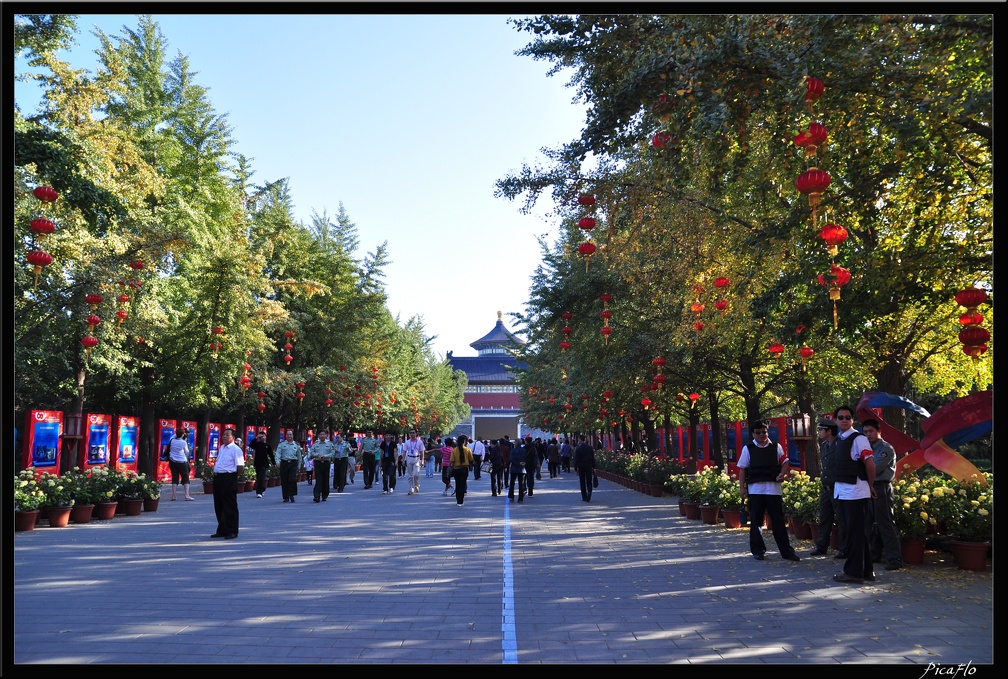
369 578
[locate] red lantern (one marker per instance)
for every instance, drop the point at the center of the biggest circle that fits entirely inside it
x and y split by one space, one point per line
835 279
806 352
93 300
974 318
646 402
566 315
606 331
814 89
721 282
586 199
564 346
42 226
971 297
811 139
123 298
287 347
776 349
606 395
698 326
680 398
694 397
834 235
697 307
566 330
568 406
45 193
261 407
289 334
974 336
605 315
92 321
136 264
587 249
974 350
288 358
89 342
586 223
721 305
813 183
39 259
261 394
660 380
328 402
661 140
122 316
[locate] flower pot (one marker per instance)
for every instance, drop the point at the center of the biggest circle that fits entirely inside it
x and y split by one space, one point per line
801 529
969 556
59 517
24 521
657 489
692 510
912 551
81 513
249 486
208 487
131 506
682 507
732 518
813 531
151 504
104 510
709 514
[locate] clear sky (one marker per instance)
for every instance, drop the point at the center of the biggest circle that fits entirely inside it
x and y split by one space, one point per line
408 120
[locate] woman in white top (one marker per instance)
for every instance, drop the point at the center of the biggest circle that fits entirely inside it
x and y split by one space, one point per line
178 462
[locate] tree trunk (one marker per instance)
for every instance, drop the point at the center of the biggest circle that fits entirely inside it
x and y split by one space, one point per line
691 459
147 446
891 379
748 377
717 456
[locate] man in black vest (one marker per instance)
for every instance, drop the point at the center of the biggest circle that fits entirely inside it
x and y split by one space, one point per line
854 486
762 467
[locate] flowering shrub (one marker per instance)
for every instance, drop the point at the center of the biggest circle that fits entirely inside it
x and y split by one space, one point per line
151 489
676 484
204 471
800 496
941 503
911 502
649 468
28 497
709 485
85 488
131 485
105 483
57 490
974 505
729 497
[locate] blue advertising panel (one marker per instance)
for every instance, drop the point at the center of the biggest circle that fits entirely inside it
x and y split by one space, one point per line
794 457
213 442
190 428
730 443
167 429
96 440
127 438
42 440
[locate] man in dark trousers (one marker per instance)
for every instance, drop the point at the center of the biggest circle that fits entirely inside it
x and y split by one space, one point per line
519 472
584 465
531 452
762 466
262 457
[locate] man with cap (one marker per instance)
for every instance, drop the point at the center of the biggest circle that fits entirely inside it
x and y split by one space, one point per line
829 507
369 458
762 466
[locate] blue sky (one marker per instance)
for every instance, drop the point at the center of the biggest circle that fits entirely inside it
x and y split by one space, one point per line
408 120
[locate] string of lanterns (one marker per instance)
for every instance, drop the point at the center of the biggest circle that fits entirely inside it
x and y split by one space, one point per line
42 226
973 337
587 223
605 315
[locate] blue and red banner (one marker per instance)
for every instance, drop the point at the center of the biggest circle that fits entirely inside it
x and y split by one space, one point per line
127 438
43 429
97 435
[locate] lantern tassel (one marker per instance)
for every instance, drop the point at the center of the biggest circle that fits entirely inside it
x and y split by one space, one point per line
834 316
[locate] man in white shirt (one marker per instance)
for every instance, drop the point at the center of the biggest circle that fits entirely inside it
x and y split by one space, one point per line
413 450
478 451
854 487
762 467
227 469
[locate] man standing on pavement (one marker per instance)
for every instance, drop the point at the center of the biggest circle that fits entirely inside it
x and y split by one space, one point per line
566 452
854 486
584 465
369 457
413 451
288 456
389 463
505 448
829 507
342 459
229 466
351 458
262 457
478 451
322 455
519 473
762 466
885 540
496 468
531 452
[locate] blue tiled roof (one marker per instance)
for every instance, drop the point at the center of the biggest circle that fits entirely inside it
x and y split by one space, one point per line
489 369
498 336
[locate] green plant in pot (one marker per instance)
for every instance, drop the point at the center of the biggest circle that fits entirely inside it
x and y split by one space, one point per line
28 497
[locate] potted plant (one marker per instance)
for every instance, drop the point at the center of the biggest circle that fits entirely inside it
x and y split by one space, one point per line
730 500
85 495
911 516
130 495
205 471
971 527
59 498
105 483
709 489
28 499
151 494
249 477
800 497
691 497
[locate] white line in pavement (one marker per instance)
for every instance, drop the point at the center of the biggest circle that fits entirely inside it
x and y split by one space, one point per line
509 641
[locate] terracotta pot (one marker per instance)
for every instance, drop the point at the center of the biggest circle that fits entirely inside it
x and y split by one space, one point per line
709 514
151 504
657 489
25 521
104 510
208 487
81 513
59 517
912 551
692 510
241 487
682 508
131 506
249 486
970 556
732 518
801 530
814 531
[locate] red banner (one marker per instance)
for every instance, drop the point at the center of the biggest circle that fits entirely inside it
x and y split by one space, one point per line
127 433
97 439
43 429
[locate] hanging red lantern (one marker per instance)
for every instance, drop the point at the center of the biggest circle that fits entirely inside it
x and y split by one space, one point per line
814 89
694 397
659 380
658 362
93 299
328 402
123 298
568 406
974 318
646 402
606 331
974 335
42 226
92 321
39 259
776 349
261 407
245 382
606 395
680 398
721 305
566 315
586 223
261 394
89 342
301 396
122 315
721 282
586 199
971 297
587 249
811 139
564 346
287 359
605 315
661 140
697 307
834 235
698 326
287 347
806 352
567 330
136 264
605 297
813 183
834 280
46 194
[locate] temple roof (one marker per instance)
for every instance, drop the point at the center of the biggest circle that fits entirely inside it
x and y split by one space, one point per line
489 369
497 338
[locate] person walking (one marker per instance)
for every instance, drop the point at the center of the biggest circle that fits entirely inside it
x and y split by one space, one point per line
322 455
413 450
532 460
584 465
496 468
288 456
505 448
885 541
178 462
229 467
433 453
566 452
446 470
342 458
519 473
369 457
854 486
351 459
262 458
478 451
829 507
553 458
762 466
389 463
461 458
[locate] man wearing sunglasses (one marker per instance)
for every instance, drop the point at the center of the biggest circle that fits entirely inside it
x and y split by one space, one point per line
854 487
762 467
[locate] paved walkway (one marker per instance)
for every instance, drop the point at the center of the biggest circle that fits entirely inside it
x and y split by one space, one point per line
368 578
